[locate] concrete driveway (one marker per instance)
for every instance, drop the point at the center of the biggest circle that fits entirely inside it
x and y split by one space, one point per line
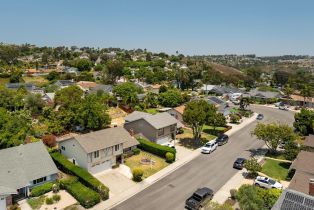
212 170
116 181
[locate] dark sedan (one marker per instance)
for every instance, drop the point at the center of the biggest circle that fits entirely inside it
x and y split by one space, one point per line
260 117
239 163
222 139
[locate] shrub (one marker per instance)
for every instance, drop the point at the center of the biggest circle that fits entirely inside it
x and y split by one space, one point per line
155 148
137 174
56 197
234 118
49 201
169 157
49 140
136 151
84 176
233 193
252 166
84 195
41 189
291 150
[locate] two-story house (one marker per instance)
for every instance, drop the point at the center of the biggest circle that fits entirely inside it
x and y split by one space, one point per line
159 128
22 168
97 151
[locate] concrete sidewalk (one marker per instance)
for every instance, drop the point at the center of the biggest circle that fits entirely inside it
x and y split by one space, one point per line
117 199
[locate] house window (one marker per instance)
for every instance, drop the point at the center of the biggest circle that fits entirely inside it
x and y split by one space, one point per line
40 180
172 128
116 147
62 147
161 131
96 154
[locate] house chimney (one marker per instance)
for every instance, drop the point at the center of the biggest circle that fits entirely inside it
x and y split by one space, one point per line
311 187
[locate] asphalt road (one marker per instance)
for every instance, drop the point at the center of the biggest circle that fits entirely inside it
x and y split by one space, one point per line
211 170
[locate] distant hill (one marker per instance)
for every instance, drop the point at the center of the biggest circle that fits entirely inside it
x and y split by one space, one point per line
225 69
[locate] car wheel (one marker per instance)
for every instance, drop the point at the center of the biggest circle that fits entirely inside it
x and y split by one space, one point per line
257 185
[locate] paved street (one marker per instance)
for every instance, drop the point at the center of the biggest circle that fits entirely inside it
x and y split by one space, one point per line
212 170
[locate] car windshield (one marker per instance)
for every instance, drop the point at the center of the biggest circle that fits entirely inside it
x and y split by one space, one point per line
197 197
272 182
239 160
208 145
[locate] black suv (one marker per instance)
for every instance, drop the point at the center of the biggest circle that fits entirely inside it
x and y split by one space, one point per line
199 198
222 139
239 163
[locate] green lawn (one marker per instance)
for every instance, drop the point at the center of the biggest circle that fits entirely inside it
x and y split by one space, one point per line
152 111
210 130
276 169
134 162
186 139
36 203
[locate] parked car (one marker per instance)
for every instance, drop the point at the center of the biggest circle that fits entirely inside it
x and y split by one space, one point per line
209 147
239 163
267 183
283 107
260 117
199 198
222 139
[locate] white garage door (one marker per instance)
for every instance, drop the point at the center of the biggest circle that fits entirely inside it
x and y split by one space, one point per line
101 167
2 203
163 140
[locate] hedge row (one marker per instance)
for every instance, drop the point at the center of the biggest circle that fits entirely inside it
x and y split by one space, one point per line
84 176
154 148
84 195
41 189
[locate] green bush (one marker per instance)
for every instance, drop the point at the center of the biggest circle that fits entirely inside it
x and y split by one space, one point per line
41 189
155 148
136 151
56 197
49 201
84 195
169 157
84 176
137 174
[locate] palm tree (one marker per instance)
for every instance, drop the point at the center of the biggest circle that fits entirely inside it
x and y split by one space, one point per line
183 76
305 92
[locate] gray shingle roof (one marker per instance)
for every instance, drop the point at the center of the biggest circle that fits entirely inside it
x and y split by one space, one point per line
22 164
294 200
264 94
158 121
102 139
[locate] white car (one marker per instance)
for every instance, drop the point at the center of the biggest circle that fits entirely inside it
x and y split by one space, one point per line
209 147
267 183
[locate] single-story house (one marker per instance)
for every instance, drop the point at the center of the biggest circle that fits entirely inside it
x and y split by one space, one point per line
177 113
294 200
154 88
264 95
304 172
106 88
71 70
220 90
14 86
64 83
97 151
220 104
22 168
301 101
159 128
86 85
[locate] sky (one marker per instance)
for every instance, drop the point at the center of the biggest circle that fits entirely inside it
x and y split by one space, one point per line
193 27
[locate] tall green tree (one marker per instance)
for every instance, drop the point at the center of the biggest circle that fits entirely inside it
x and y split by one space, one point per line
273 134
304 121
34 103
196 114
170 98
114 70
68 96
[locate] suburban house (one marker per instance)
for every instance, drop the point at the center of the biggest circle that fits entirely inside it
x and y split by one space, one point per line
86 85
64 83
98 151
177 113
220 90
48 97
71 70
159 128
99 87
301 101
221 105
154 88
302 180
293 200
22 168
264 95
14 86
